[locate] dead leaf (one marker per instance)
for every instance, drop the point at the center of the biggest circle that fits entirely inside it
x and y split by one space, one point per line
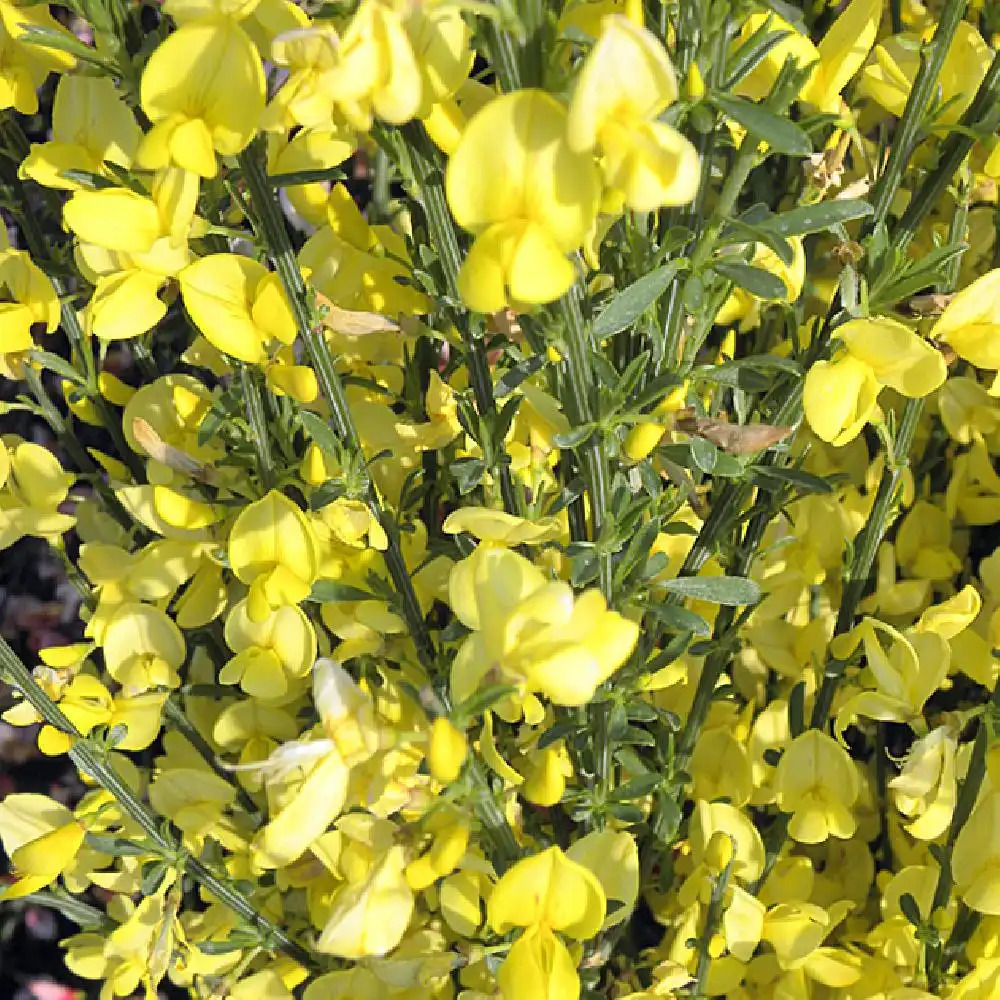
736 439
929 305
168 455
350 322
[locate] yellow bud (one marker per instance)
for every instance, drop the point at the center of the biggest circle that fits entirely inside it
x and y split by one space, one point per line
694 86
79 405
313 468
642 439
545 784
113 389
717 946
553 355
718 852
447 750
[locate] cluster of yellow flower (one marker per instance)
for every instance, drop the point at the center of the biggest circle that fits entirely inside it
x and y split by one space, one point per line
539 544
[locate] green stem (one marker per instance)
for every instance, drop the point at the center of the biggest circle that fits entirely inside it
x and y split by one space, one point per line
70 907
91 762
279 247
967 796
503 55
982 116
577 403
912 119
713 919
428 177
68 442
259 432
175 713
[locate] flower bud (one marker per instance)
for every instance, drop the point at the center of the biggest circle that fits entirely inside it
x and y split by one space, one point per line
545 784
447 750
718 852
694 86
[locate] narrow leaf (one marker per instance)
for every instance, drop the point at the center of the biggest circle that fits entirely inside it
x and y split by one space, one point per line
817 218
729 590
782 135
755 280
631 302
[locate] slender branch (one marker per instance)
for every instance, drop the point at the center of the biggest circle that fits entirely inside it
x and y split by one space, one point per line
279 247
68 441
934 950
982 115
259 432
90 761
428 177
912 119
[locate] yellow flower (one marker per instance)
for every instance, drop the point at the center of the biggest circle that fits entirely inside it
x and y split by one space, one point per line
143 648
237 304
975 863
309 777
539 967
23 66
91 123
203 89
971 323
130 246
28 303
32 488
349 262
840 54
268 653
527 196
272 548
906 676
548 890
41 838
369 918
612 855
889 76
926 789
498 527
839 398
816 782
535 634
546 781
545 893
625 84
840 395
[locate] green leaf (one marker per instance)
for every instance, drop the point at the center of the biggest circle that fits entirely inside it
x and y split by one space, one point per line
468 473
52 38
631 302
704 453
908 904
797 710
89 180
321 432
475 705
295 177
116 846
680 619
817 218
329 590
755 280
770 477
575 436
58 365
637 788
782 135
729 590
513 377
